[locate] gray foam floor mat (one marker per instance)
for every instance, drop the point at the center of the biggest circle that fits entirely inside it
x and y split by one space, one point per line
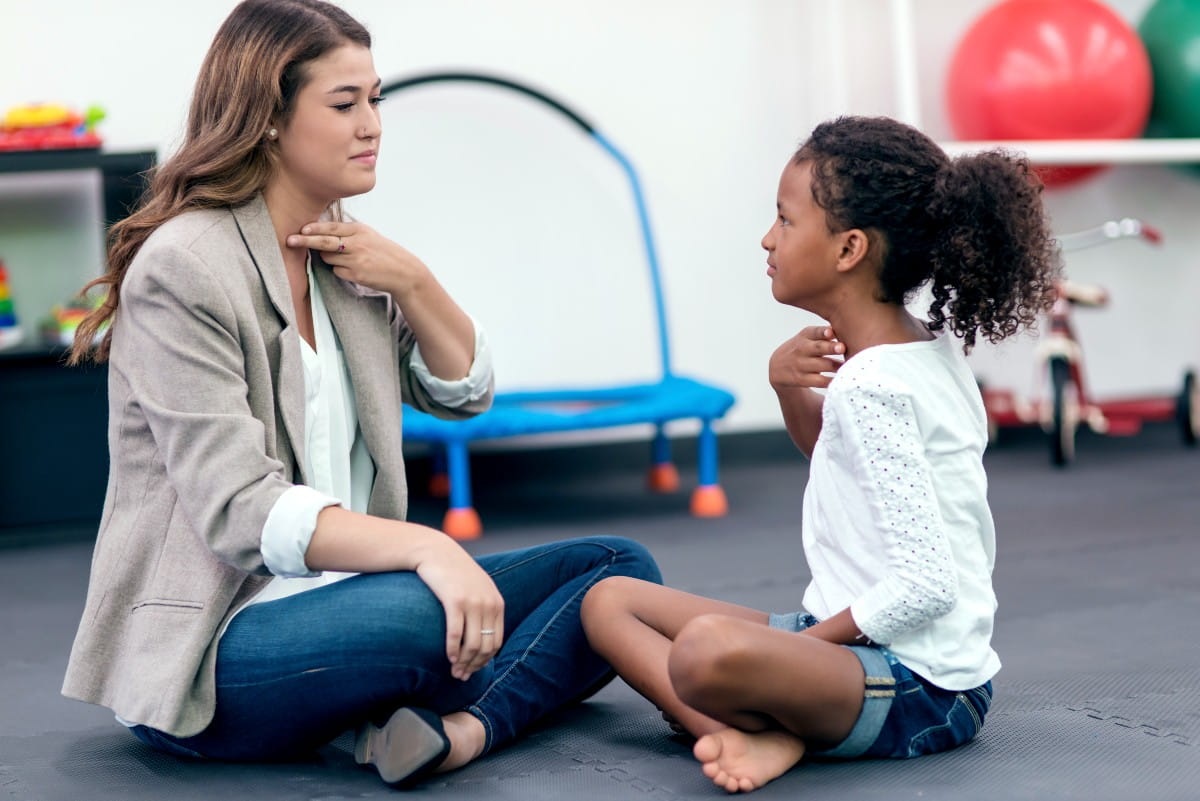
1099 631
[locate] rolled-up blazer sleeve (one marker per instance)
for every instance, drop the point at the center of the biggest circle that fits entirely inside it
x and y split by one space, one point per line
416 394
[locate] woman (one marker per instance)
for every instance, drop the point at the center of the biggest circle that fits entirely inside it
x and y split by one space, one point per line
259 349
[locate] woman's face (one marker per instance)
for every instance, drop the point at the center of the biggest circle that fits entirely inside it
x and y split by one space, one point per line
327 148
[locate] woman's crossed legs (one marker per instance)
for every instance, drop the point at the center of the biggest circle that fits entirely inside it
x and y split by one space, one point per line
293 674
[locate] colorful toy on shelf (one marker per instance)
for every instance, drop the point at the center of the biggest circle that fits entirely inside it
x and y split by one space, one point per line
58 328
49 126
1067 69
1066 402
10 328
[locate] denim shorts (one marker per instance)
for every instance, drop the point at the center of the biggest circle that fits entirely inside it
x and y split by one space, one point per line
903 715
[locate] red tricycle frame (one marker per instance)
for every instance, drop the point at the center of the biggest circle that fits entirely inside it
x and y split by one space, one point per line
1066 402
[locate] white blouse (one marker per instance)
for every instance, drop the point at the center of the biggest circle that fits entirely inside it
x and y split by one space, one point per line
896 522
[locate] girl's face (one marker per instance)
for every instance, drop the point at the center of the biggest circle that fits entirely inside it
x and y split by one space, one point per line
327 148
802 253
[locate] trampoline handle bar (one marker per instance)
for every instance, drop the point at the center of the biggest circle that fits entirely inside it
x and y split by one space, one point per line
634 183
477 77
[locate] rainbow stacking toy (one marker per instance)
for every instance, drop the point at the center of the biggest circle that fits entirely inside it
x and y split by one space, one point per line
10 329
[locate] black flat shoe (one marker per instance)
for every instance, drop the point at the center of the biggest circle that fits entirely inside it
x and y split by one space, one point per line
408 747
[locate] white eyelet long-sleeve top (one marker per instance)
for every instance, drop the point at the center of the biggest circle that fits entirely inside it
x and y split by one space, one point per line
896 523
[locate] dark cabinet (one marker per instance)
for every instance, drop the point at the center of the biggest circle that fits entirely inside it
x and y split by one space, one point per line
53 418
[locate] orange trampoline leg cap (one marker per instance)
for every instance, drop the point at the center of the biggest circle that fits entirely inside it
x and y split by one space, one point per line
462 524
439 485
663 478
709 501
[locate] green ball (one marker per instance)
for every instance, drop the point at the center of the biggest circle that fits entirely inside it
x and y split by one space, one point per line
1171 33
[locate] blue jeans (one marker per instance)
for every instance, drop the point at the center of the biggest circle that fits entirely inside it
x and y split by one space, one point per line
903 714
295 673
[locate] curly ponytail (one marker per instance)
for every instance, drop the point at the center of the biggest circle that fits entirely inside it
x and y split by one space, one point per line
972 227
995 262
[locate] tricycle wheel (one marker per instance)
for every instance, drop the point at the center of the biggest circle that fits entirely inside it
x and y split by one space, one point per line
1187 408
1064 416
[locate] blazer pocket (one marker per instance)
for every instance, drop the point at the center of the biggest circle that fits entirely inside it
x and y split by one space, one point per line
167 605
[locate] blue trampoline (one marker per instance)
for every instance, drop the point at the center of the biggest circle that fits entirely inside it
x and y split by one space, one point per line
672 397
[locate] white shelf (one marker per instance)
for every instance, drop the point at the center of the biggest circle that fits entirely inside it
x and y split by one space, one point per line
1091 151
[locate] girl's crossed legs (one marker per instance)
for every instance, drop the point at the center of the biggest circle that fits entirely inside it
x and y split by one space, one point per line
754 696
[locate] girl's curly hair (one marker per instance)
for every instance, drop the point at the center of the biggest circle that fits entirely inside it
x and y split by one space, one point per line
973 226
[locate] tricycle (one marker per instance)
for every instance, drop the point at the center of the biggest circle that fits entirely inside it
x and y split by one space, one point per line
1065 402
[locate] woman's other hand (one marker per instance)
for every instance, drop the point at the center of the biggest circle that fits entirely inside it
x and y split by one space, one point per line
357 543
474 607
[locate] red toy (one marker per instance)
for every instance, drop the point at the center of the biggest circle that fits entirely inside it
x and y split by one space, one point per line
49 126
1050 69
1067 403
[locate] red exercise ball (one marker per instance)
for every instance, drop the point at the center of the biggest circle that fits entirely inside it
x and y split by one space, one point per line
1050 69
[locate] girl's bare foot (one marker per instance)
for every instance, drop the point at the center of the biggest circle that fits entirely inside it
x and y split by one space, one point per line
739 761
466 735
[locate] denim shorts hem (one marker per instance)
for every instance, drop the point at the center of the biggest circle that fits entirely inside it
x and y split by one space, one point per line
879 692
903 715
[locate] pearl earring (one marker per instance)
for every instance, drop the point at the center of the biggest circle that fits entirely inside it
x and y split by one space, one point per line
271 134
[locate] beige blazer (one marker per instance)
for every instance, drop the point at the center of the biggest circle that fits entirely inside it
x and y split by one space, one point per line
206 429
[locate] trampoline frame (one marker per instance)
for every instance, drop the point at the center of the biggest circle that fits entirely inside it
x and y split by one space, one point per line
673 397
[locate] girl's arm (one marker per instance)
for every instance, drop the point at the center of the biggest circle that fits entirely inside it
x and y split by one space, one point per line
801 410
890 463
797 366
840 629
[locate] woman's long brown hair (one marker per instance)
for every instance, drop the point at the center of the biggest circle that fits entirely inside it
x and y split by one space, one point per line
251 76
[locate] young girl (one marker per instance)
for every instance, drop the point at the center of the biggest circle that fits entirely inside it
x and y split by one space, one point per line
891 656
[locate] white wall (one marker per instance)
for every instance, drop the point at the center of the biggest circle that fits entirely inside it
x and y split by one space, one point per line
532 228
